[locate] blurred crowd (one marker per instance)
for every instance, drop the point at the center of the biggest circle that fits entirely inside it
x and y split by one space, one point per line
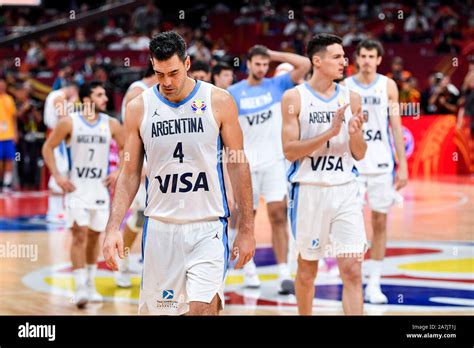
443 27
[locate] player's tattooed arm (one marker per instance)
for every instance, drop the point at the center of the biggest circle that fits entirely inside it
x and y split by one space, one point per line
293 147
61 132
401 176
357 143
128 182
225 112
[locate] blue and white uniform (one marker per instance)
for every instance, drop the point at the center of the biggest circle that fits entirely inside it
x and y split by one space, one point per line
377 168
261 121
89 204
184 246
325 215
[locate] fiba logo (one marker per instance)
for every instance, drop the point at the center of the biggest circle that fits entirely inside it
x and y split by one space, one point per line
409 141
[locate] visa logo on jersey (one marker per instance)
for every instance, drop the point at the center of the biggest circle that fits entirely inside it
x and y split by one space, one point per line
259 118
172 183
372 135
327 163
89 173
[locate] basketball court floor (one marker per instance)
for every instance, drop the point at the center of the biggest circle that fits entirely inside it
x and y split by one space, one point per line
429 268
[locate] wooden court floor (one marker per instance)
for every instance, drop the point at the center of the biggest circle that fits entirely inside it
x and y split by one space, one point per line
429 267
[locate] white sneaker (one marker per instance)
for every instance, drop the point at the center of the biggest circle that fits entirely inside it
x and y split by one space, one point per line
93 295
374 295
251 279
123 280
81 297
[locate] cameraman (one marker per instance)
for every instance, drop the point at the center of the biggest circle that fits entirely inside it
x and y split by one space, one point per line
441 97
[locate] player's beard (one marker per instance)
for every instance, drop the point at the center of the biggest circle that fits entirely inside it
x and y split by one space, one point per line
255 77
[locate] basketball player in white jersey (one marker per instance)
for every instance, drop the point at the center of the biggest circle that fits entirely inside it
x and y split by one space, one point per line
88 132
380 107
258 100
181 126
322 135
58 104
134 223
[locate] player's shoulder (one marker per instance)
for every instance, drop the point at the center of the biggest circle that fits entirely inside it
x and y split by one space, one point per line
390 82
220 96
293 92
236 87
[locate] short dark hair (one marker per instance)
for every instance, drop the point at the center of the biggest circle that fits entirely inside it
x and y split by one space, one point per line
320 42
257 50
165 45
219 67
87 88
199 65
149 71
370 44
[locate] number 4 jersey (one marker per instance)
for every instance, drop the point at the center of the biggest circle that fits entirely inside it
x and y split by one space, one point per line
184 174
90 146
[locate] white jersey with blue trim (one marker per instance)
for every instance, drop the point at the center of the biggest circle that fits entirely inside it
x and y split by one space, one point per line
139 84
379 156
331 164
260 118
89 146
183 147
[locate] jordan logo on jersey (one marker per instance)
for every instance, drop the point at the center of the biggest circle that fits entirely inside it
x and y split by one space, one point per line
186 182
327 163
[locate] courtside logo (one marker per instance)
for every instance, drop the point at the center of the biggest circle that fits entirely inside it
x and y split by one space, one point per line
198 106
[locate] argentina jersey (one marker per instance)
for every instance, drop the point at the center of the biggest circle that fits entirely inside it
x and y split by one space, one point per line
379 156
331 164
90 147
260 118
183 146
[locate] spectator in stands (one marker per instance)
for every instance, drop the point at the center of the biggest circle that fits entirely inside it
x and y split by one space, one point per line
31 137
389 34
449 40
398 74
135 41
200 71
198 51
419 35
101 74
146 18
353 37
111 29
65 75
8 136
323 25
444 96
416 20
35 57
80 41
222 75
298 24
408 92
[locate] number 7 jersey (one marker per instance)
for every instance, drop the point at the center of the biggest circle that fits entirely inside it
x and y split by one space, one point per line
183 147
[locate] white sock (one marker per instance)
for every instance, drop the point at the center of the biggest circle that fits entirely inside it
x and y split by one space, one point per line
375 273
80 277
91 271
7 178
55 205
250 268
283 271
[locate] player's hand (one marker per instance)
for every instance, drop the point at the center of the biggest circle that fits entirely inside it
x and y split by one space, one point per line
244 247
113 242
356 122
336 123
65 184
111 179
401 177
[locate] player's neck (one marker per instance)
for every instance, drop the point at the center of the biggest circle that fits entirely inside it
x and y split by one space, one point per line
189 85
252 81
366 78
321 84
91 118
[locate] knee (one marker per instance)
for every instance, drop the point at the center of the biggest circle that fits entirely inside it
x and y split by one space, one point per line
79 238
379 222
351 273
307 275
278 216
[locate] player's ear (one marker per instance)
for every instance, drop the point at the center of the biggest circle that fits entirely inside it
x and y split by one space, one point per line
379 60
187 63
316 60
